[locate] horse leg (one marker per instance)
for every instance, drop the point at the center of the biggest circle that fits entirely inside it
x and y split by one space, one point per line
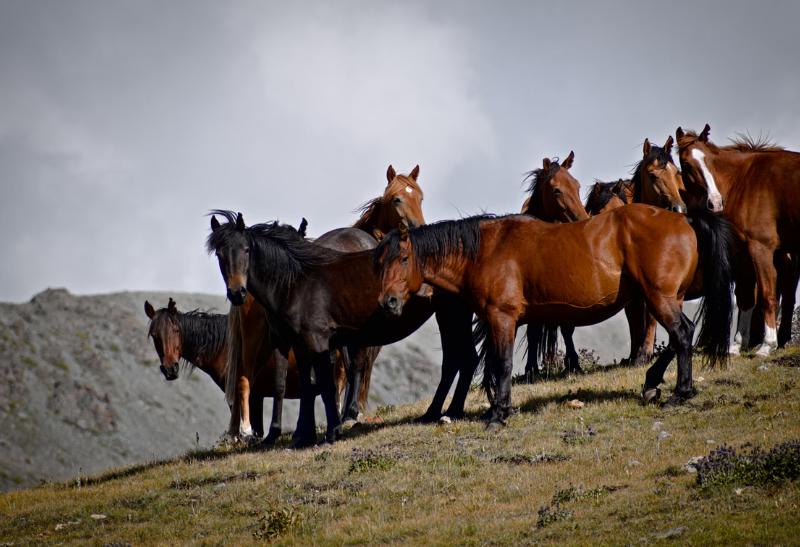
668 312
305 434
501 361
766 280
243 394
279 381
571 360
533 337
789 277
635 314
354 366
649 341
256 403
323 364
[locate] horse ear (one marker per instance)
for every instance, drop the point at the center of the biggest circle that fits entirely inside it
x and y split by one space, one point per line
214 223
546 164
704 135
414 173
668 145
646 148
240 222
679 133
302 229
149 310
390 173
172 307
403 230
567 163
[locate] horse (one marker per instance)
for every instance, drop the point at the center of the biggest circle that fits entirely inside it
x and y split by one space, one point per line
606 196
201 340
554 196
505 267
756 185
316 299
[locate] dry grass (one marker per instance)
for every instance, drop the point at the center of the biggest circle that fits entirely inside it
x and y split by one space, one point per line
609 473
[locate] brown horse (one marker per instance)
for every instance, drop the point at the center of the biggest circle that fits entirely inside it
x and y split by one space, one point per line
554 197
517 270
201 339
757 187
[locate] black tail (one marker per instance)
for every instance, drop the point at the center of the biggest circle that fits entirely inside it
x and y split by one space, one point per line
715 245
481 340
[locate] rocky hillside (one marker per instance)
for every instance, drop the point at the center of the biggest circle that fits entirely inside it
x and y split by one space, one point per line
80 389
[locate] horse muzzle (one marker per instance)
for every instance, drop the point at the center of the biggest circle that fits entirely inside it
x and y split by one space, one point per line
237 295
391 305
170 372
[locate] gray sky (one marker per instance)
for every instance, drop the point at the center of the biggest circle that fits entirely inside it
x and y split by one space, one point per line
123 123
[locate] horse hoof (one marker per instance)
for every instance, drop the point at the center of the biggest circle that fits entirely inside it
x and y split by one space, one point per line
651 395
303 442
764 350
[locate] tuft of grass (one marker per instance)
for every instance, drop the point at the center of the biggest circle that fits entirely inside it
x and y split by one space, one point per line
548 514
580 494
527 459
276 521
368 460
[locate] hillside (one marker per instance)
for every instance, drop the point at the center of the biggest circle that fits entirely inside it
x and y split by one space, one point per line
80 389
611 472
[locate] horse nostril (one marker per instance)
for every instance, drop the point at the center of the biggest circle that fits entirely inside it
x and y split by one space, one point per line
710 205
391 302
243 292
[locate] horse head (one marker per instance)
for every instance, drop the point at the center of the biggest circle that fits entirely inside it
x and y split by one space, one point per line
232 249
657 180
166 335
693 153
400 276
555 193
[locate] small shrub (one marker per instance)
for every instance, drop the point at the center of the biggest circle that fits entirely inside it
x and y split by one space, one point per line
578 435
520 459
754 467
549 514
275 522
366 460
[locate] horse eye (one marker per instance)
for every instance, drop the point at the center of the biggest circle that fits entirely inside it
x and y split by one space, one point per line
398 201
404 260
557 192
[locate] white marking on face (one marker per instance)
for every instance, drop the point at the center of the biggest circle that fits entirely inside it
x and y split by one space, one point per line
409 189
713 192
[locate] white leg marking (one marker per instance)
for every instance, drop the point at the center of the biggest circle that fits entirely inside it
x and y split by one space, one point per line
770 341
713 192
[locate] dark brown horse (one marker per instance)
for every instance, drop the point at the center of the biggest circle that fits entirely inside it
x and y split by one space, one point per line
554 196
757 187
201 340
607 196
517 270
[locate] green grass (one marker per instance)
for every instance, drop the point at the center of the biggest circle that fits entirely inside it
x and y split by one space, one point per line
610 473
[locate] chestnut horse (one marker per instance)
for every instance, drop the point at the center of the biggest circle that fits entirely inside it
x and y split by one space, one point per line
757 187
318 299
554 197
517 270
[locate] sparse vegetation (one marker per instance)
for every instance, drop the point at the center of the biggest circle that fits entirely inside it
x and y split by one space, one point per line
612 471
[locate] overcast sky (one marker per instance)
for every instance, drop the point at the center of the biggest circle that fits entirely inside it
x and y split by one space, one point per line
123 123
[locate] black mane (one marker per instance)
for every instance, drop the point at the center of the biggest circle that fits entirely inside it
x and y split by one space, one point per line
278 251
203 334
434 242
538 177
601 193
663 156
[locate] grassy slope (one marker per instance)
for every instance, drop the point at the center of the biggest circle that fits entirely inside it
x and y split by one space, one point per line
457 484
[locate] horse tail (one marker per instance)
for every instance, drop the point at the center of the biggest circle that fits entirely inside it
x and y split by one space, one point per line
233 364
548 342
715 245
481 340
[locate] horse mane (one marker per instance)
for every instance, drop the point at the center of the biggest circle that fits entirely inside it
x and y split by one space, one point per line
203 334
287 256
743 142
601 193
662 155
369 209
538 177
433 243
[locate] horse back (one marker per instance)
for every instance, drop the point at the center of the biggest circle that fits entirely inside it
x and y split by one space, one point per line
348 240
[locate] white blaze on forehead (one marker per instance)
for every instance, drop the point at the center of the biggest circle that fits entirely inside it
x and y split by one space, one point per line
409 189
713 191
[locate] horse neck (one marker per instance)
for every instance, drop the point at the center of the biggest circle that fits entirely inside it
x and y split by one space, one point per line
536 208
727 166
447 273
192 349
